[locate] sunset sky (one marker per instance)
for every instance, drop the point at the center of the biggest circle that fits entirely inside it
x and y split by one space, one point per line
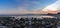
26 6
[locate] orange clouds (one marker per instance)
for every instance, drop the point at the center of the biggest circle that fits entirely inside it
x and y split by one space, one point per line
53 12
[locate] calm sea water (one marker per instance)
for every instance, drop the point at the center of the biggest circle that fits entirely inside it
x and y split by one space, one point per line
33 16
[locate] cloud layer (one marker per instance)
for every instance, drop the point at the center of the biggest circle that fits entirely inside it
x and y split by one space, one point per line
53 7
24 6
